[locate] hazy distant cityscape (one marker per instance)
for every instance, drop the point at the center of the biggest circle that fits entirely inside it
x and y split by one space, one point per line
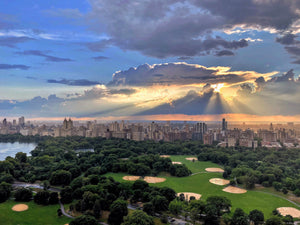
221 133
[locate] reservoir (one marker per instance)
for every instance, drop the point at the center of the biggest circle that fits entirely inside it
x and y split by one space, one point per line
10 149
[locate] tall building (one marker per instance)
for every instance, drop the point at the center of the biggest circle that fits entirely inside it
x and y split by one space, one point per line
224 124
21 121
199 130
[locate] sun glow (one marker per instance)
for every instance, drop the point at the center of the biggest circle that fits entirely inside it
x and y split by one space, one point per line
217 87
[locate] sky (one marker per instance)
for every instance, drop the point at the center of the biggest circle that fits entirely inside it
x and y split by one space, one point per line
150 59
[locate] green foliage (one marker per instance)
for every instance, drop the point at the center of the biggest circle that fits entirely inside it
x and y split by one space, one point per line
175 207
118 210
23 195
257 217
66 195
60 177
84 220
239 218
275 220
5 190
42 198
138 217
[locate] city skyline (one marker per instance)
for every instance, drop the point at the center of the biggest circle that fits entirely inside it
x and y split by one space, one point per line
150 60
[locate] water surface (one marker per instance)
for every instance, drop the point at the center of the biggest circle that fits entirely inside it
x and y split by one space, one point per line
10 149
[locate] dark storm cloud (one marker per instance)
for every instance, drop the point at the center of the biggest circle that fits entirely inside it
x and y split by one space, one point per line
288 39
96 93
277 14
100 58
193 104
184 28
224 53
184 58
13 66
178 74
44 55
12 42
80 82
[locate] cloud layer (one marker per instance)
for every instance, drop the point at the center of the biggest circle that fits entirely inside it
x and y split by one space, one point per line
165 28
181 74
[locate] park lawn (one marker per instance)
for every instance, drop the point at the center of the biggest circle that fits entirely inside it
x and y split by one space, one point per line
199 183
196 166
35 215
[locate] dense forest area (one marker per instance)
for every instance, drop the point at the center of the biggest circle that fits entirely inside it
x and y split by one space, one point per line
77 165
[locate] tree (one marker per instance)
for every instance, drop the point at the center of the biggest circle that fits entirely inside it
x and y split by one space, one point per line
118 210
138 217
148 208
66 195
53 198
59 212
275 220
21 157
5 190
175 207
42 198
84 220
239 218
23 195
160 203
211 214
257 217
288 219
169 193
140 184
97 209
60 177
222 204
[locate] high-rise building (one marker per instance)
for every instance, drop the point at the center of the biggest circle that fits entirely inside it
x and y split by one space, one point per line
21 121
224 124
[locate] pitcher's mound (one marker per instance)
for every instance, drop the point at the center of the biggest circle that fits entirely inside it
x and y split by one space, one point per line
131 178
187 195
219 181
192 159
154 180
218 170
20 207
289 211
234 190
176 162
165 156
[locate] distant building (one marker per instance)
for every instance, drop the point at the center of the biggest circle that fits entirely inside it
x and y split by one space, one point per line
224 124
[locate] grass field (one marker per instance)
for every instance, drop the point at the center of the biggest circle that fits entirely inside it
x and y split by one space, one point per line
199 183
36 214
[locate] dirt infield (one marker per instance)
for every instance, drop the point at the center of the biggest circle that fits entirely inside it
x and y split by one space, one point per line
187 195
289 211
218 170
219 181
234 190
153 180
192 158
176 162
20 207
131 178
165 156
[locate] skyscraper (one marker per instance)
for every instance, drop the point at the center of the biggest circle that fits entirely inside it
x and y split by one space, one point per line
224 124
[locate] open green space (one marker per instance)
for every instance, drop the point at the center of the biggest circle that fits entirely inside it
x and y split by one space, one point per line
199 183
195 166
35 215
